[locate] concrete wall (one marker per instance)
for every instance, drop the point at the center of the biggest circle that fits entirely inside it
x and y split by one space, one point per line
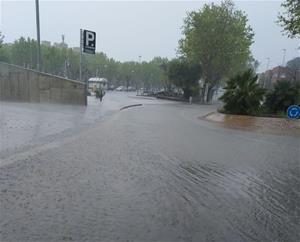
20 84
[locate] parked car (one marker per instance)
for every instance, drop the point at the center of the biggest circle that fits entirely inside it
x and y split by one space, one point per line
121 88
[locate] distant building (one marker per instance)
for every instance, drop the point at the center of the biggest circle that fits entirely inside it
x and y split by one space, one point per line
46 43
60 45
279 73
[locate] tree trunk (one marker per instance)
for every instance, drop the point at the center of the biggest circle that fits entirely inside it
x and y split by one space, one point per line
186 93
210 94
203 91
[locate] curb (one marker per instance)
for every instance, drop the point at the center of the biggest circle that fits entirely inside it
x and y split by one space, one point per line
130 106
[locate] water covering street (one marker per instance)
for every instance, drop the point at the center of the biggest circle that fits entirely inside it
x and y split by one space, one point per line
154 172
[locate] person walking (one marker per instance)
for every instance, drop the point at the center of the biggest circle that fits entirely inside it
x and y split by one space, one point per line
100 94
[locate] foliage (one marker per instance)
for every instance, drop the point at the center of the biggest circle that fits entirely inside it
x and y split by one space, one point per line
184 75
219 38
242 94
63 61
253 64
290 19
284 94
294 64
5 53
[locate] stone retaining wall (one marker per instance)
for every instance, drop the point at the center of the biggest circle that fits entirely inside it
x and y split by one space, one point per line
21 84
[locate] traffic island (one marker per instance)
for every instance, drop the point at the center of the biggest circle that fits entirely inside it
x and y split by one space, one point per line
279 126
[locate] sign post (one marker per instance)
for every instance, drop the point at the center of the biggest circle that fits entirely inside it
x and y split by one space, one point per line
80 60
87 45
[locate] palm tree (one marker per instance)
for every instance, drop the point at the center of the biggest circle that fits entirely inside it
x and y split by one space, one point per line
243 94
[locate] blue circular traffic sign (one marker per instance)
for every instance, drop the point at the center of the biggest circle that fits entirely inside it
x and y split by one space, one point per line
293 112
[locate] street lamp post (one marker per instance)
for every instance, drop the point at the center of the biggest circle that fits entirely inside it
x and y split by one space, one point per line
283 58
132 78
38 35
268 63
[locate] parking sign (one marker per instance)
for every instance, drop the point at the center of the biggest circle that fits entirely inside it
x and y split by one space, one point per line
89 41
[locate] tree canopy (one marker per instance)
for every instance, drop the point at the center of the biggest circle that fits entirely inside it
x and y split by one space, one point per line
64 61
185 75
219 38
294 64
290 19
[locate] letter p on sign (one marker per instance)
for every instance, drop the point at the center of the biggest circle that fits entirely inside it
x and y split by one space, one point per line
89 42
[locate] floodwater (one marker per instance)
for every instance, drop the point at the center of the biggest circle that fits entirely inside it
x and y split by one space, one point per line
153 173
25 125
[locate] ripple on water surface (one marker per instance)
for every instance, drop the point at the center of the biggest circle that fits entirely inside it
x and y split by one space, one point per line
264 206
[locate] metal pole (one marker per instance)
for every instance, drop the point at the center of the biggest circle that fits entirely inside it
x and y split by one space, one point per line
80 59
38 35
80 68
137 84
268 63
283 58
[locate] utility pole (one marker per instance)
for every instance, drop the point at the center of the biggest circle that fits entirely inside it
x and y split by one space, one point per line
38 35
137 86
65 62
268 63
80 58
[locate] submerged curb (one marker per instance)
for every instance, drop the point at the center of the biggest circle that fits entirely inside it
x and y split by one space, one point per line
130 106
281 126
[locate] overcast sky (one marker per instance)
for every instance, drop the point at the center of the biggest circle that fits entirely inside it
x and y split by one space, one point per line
126 30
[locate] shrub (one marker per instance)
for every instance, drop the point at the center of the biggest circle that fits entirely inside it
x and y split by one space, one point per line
242 94
284 94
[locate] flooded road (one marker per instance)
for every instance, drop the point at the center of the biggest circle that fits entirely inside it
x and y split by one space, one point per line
152 173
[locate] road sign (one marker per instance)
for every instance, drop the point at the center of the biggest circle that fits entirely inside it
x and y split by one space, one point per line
293 112
89 41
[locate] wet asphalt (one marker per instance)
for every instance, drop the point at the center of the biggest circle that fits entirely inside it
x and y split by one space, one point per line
148 173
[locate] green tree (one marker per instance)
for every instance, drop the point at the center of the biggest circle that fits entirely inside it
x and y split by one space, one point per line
242 94
65 62
184 75
294 64
219 38
5 53
284 94
254 64
290 19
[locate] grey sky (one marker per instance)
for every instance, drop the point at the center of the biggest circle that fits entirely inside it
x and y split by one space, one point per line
126 30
